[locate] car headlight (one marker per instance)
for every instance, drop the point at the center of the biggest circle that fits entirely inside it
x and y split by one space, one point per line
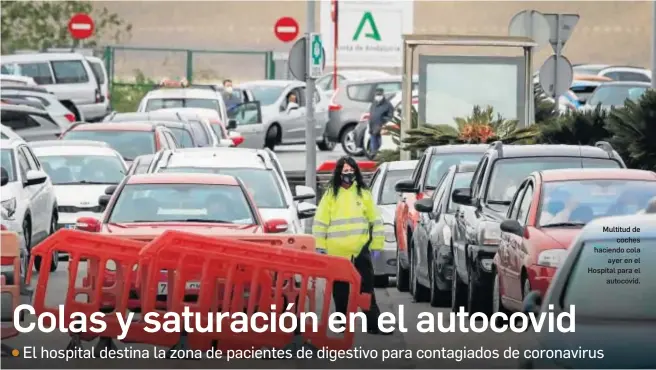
552 257
490 233
10 206
390 237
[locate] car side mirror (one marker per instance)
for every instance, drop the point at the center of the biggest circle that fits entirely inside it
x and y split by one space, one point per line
405 186
512 227
306 210
532 302
110 189
424 205
304 193
103 201
4 177
89 224
275 226
35 177
232 124
462 196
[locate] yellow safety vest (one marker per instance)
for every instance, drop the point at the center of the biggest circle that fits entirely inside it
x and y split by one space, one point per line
341 225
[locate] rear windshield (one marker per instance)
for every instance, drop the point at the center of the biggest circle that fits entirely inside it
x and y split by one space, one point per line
626 295
40 72
69 71
183 136
440 164
616 95
130 144
155 104
507 174
98 72
199 133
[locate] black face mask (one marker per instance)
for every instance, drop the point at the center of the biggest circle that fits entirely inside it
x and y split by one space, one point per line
348 178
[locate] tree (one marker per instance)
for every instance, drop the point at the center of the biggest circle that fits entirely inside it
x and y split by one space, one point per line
44 24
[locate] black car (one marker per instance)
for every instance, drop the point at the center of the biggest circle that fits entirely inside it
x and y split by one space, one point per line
485 202
430 275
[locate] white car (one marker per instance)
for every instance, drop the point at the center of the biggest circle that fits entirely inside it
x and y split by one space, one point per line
258 169
9 134
184 97
80 171
11 80
27 195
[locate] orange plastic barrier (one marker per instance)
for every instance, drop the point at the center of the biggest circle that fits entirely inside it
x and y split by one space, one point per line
10 256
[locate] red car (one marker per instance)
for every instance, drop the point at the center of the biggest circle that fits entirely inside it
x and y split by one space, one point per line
129 139
144 206
545 217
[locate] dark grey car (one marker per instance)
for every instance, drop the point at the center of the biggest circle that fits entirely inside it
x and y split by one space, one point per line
31 124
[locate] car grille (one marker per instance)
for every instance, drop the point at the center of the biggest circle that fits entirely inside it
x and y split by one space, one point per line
73 209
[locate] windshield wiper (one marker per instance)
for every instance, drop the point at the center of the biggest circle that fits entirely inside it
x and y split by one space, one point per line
85 182
208 221
564 224
500 202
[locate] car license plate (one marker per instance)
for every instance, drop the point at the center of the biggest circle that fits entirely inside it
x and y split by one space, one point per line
162 288
69 226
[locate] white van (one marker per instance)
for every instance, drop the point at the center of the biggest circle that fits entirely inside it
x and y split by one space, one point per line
99 70
67 75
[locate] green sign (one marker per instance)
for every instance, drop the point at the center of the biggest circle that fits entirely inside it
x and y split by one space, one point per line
316 56
367 18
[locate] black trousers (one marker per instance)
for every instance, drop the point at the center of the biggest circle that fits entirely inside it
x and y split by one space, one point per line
365 267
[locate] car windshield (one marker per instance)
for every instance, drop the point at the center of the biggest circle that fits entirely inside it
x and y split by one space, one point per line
261 184
440 164
388 194
183 136
266 95
507 174
613 296
155 104
130 144
581 201
8 164
616 95
83 169
182 202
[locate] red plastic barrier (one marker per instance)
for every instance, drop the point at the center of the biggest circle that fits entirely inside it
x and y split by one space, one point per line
365 166
10 256
225 266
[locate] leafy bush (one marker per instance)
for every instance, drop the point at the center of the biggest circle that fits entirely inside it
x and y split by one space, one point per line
575 128
127 95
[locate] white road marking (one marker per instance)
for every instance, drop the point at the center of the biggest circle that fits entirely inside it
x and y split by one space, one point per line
81 26
285 29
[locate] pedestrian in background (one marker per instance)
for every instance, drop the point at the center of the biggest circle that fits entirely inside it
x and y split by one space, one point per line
229 97
348 225
380 112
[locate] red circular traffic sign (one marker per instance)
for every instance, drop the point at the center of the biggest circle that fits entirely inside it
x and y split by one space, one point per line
81 26
286 29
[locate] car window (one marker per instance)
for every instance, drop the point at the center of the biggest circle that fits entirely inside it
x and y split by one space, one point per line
155 104
45 121
360 92
462 180
508 173
182 203
479 174
7 157
439 193
262 184
218 131
633 76
389 87
325 82
608 296
23 164
98 72
246 114
130 144
31 160
616 95
200 135
69 71
83 169
517 201
40 72
17 121
525 206
585 200
440 164
267 95
183 137
389 195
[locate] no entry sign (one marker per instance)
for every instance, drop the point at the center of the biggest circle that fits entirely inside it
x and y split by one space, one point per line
286 29
81 26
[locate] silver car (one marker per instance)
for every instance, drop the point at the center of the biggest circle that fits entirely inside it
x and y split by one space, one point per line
281 123
382 189
40 95
327 82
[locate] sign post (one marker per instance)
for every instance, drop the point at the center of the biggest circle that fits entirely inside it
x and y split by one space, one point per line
561 27
312 42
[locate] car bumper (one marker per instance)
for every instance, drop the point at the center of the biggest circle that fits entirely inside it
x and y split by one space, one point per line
540 277
334 125
385 261
93 111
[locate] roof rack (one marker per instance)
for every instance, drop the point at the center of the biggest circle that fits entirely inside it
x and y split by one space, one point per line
24 102
606 147
498 146
26 88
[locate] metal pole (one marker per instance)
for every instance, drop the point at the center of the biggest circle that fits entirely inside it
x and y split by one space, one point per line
558 47
310 135
335 41
653 45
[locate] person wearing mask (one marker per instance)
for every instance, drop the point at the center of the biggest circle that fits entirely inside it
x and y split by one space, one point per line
229 98
381 111
347 224
292 102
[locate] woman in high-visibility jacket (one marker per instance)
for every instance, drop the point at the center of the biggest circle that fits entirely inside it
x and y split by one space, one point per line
347 224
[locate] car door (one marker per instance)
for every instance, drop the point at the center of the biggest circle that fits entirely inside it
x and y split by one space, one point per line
293 121
320 112
517 249
74 80
424 227
38 198
505 244
249 124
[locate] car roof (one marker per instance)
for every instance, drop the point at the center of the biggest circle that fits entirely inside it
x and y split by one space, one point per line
74 150
402 165
382 79
182 93
6 143
552 150
279 83
459 148
183 178
40 57
626 83
28 91
594 229
109 126
187 111
68 143
217 158
573 174
360 74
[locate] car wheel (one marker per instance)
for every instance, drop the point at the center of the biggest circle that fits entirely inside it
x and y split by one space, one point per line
402 275
497 303
55 255
349 144
458 292
271 137
417 290
326 145
438 298
381 281
478 295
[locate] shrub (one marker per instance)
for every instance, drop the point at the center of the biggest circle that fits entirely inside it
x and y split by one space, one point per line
575 128
127 95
